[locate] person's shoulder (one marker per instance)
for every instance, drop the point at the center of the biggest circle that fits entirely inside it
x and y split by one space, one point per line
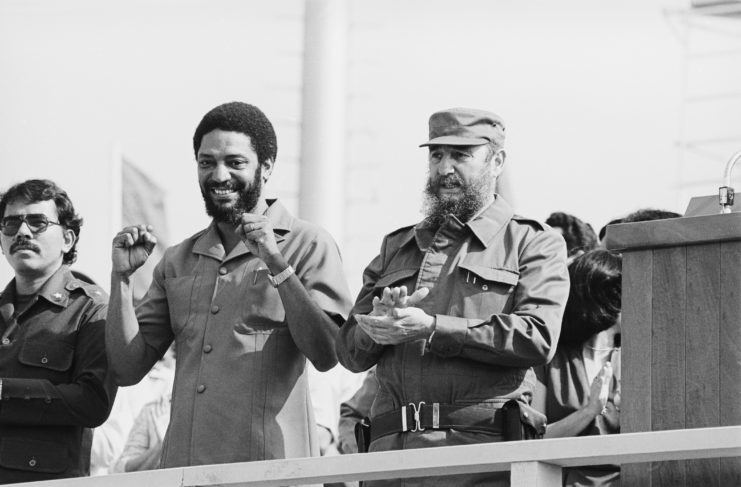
94 292
401 234
185 245
536 225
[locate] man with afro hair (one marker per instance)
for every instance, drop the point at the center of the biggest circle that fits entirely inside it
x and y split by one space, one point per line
246 301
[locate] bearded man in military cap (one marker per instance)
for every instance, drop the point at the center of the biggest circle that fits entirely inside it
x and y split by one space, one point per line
457 309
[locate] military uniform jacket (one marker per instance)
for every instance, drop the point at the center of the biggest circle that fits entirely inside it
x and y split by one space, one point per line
54 379
498 285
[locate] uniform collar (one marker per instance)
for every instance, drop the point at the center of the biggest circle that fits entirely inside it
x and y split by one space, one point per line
489 222
55 290
209 242
484 225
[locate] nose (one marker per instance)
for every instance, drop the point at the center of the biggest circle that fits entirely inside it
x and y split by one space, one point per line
220 174
446 165
24 230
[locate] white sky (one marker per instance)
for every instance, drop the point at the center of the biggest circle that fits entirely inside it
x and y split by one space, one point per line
593 92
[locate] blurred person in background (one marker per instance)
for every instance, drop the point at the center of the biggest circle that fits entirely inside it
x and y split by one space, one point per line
642 215
54 384
579 235
143 447
579 390
111 438
246 302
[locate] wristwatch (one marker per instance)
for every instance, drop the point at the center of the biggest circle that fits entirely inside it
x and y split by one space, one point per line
279 278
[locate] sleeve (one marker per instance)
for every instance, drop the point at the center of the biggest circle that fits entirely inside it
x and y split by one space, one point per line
355 349
322 274
153 316
86 400
528 335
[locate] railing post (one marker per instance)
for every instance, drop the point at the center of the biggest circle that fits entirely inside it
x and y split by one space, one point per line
535 474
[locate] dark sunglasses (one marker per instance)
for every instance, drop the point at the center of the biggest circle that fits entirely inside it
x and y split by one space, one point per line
37 222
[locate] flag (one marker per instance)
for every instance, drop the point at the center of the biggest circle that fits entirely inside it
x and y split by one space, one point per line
143 202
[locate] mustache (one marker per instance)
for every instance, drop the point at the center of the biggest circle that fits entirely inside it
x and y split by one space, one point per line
24 244
448 181
227 185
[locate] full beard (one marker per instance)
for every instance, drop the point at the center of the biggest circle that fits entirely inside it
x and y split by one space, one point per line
232 212
437 207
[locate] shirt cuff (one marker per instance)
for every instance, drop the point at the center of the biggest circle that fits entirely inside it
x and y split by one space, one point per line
363 341
450 335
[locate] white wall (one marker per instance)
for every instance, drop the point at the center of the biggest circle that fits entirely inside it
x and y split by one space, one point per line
590 90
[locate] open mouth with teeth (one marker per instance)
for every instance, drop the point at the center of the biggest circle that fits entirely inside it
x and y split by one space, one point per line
221 193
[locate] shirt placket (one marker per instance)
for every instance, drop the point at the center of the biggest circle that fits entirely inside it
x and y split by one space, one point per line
442 249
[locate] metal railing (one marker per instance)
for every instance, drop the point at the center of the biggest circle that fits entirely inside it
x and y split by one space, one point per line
531 463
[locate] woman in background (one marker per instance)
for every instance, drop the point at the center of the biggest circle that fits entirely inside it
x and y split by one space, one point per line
579 390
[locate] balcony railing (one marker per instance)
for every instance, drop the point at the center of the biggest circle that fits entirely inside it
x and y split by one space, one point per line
532 463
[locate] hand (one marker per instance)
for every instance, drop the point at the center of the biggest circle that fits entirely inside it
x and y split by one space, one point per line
161 415
396 298
600 390
132 246
400 326
257 233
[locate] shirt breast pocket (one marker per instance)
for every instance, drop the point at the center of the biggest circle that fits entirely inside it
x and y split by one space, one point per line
486 291
47 355
396 278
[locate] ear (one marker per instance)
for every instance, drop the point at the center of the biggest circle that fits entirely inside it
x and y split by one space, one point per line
69 240
497 162
267 169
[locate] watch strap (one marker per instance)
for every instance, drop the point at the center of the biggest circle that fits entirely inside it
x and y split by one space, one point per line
279 278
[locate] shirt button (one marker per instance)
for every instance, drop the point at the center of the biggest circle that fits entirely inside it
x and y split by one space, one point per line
6 341
44 360
525 415
207 349
485 287
201 388
214 309
223 270
32 462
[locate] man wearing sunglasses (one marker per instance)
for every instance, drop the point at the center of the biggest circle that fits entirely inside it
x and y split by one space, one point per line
53 368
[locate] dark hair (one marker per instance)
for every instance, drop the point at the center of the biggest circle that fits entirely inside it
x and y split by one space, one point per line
35 190
649 214
603 231
244 118
579 235
594 297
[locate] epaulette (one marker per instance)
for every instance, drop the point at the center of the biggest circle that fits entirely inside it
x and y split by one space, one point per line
93 291
401 230
538 225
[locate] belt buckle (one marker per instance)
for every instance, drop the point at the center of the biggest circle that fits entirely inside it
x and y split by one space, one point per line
417 408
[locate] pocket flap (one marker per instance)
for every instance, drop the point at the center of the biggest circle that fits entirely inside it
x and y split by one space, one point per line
504 276
395 276
33 456
56 355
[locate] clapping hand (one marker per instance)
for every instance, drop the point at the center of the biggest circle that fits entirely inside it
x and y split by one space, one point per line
395 318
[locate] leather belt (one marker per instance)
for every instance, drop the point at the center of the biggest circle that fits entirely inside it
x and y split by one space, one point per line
422 416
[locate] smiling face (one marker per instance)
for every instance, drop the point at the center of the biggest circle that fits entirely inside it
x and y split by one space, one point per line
34 255
230 175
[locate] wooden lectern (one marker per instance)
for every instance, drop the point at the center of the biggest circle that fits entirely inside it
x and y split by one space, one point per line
681 338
